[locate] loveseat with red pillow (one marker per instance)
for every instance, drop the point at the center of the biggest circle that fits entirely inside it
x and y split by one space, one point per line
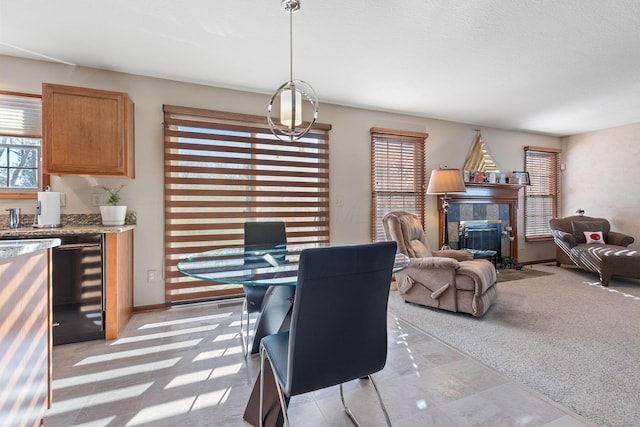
590 244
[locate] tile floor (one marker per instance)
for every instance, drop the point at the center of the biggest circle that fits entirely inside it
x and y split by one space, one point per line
184 367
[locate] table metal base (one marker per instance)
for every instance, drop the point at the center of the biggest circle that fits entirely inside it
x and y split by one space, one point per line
274 315
272 409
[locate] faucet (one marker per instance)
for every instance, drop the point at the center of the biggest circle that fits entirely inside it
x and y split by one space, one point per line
14 217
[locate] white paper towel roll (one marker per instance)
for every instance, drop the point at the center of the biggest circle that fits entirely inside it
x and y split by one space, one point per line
49 215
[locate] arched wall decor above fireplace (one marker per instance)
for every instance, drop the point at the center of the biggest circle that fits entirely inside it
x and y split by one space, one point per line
479 158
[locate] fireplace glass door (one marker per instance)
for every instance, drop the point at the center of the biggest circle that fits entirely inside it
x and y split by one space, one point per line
482 235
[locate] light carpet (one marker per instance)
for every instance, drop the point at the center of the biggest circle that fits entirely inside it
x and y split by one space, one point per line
568 338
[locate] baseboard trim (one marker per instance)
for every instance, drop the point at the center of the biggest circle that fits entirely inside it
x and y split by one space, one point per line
220 302
145 308
544 261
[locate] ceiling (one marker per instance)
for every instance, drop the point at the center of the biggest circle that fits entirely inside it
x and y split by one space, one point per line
552 67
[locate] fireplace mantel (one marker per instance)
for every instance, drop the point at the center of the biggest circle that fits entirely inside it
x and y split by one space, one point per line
488 193
493 193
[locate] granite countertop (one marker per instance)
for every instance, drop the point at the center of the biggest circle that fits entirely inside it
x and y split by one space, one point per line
29 232
71 224
14 248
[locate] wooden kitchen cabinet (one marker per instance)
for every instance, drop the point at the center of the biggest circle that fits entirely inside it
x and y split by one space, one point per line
87 132
118 282
25 344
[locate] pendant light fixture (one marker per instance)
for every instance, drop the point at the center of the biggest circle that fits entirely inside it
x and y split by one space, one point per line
292 98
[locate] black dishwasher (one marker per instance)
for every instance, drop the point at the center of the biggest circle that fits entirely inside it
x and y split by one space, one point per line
78 289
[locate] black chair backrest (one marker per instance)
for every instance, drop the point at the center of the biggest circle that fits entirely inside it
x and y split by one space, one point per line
339 321
265 235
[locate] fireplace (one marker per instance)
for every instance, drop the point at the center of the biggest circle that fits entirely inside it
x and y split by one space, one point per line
481 234
492 204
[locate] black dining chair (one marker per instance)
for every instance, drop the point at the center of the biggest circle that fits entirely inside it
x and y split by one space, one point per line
263 235
338 329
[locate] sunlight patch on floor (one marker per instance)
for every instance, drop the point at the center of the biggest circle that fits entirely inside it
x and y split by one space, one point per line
106 397
224 371
214 354
226 337
138 352
213 398
188 378
402 341
599 285
103 422
113 373
164 410
236 324
186 320
179 407
166 334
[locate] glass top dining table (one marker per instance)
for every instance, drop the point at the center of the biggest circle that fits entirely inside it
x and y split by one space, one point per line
255 266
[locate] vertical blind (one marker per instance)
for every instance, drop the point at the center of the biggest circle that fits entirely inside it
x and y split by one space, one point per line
542 196
222 169
397 175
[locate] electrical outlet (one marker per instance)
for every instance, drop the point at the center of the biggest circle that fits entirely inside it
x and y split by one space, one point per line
151 276
63 200
96 199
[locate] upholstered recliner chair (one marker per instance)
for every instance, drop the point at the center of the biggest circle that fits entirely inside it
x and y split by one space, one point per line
448 279
605 253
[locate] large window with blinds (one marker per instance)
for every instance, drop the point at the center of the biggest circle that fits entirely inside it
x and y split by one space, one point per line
222 169
397 175
542 196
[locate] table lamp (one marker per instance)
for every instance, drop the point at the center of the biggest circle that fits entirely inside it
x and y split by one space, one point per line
445 181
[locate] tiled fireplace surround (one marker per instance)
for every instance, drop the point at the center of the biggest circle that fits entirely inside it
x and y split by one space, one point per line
483 202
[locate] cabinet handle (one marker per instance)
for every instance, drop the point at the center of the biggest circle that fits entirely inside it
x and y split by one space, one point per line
72 246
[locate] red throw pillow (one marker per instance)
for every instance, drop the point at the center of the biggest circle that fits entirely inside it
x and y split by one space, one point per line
594 237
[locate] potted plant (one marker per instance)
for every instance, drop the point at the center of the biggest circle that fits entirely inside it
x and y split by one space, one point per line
113 214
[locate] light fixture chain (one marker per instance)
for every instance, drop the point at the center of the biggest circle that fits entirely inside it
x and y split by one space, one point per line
292 88
290 45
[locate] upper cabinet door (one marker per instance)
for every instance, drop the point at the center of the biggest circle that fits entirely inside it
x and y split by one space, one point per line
87 131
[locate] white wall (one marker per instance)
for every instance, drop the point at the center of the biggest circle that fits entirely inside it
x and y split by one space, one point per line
602 176
448 145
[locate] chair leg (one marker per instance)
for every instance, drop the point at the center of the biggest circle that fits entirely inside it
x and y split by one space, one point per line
350 414
283 403
244 337
384 409
261 413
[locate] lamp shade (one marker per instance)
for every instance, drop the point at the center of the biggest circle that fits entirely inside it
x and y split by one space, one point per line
290 106
445 181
